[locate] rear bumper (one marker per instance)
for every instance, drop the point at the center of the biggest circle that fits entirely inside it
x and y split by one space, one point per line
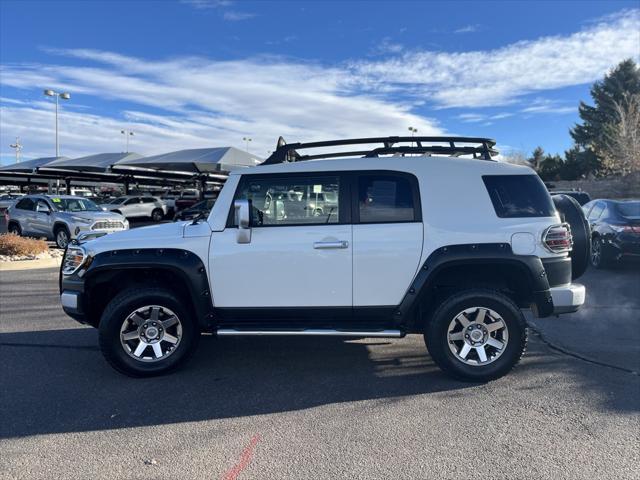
567 298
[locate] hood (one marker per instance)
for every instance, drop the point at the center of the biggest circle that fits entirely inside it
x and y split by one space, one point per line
94 215
166 235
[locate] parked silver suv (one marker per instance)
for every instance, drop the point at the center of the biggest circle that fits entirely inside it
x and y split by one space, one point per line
60 218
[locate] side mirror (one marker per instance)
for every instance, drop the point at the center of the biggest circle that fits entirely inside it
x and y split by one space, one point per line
42 209
243 220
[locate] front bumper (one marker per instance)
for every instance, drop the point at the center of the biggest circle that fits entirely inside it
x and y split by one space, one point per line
567 298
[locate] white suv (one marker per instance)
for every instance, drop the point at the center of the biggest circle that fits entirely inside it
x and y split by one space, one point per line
416 239
138 206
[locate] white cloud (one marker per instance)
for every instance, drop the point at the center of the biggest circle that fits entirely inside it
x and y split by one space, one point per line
234 16
502 76
544 105
207 4
197 102
468 29
481 117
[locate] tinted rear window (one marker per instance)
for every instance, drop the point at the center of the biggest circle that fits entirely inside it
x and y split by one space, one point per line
516 196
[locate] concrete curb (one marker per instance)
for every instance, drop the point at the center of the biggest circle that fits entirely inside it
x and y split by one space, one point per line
30 264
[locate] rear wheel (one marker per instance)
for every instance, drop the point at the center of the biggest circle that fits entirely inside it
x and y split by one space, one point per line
14 228
62 237
157 215
476 335
147 332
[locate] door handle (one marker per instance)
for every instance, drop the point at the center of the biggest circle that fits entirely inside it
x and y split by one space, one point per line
327 245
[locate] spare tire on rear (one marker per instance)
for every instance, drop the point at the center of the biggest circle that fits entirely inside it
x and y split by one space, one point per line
571 212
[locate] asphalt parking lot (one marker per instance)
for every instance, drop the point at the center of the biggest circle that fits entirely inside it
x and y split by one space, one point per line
274 408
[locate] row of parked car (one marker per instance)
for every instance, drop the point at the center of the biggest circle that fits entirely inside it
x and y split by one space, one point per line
62 218
615 224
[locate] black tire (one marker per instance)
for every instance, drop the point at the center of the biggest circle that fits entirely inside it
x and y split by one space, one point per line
62 236
157 215
572 213
14 227
117 312
438 341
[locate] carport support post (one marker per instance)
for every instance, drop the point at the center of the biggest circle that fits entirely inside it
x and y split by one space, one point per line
68 185
126 186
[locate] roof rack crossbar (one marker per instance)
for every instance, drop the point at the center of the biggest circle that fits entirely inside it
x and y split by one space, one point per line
482 148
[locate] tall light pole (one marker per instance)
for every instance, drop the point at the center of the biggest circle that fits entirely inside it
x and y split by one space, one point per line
57 95
127 134
18 147
247 140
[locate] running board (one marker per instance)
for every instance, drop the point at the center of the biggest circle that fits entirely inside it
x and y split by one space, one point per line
232 332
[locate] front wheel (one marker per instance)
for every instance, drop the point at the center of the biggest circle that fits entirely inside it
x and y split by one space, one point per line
598 253
146 332
62 237
476 335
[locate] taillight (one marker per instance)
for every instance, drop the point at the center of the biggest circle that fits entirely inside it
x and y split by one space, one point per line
558 239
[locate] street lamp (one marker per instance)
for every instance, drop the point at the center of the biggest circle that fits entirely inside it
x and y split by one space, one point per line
247 140
413 131
18 147
127 134
64 96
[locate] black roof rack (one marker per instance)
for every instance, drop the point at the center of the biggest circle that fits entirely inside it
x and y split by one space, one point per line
480 148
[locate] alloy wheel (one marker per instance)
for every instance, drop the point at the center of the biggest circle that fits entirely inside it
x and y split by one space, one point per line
477 336
62 238
151 333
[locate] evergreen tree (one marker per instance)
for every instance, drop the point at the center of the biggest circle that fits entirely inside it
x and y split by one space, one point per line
590 137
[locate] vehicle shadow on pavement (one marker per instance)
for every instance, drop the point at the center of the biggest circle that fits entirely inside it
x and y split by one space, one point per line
58 381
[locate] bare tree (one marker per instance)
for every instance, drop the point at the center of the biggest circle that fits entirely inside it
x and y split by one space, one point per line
622 138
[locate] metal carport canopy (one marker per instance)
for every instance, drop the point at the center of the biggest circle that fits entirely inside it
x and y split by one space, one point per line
30 166
98 163
197 160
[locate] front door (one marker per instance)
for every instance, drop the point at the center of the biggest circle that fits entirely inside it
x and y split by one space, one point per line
299 256
42 219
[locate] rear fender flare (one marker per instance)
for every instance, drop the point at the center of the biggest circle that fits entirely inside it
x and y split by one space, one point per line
474 254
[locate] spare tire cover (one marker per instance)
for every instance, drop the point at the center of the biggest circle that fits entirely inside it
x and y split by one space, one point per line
571 212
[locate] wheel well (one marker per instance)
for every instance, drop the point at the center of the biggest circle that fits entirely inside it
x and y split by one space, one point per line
506 278
57 226
102 287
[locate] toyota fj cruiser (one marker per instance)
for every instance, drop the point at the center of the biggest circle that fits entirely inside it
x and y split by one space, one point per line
424 235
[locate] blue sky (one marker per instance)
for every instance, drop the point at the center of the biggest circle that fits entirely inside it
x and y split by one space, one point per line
186 74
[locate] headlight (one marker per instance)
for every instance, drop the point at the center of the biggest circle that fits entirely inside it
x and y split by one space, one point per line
74 258
82 220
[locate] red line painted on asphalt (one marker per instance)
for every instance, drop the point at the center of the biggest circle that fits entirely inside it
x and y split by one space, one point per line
245 459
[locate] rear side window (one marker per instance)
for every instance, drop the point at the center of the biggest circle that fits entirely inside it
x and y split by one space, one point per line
385 199
515 196
25 204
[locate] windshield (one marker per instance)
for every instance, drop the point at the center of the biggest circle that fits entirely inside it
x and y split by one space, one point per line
75 205
117 201
629 209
